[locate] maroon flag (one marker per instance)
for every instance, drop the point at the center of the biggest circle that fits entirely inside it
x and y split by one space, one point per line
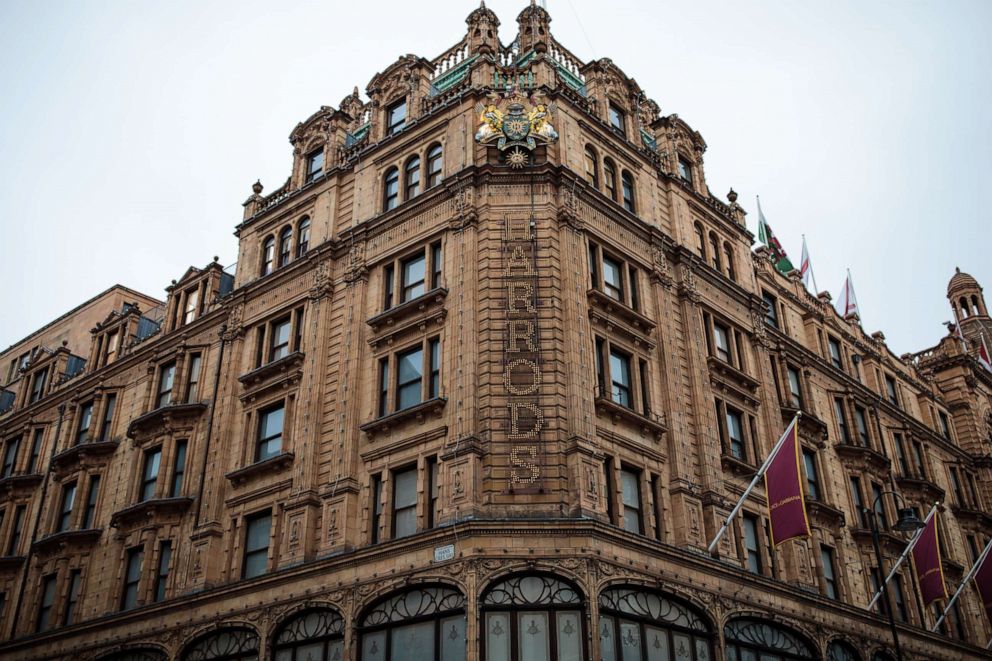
983 581
926 563
784 486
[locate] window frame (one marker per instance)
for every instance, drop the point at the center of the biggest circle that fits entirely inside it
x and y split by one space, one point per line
251 553
163 395
637 366
262 446
394 126
390 189
435 165
314 158
388 379
617 119
131 580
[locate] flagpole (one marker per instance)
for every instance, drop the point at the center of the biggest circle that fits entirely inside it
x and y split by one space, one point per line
750 487
974 568
909 547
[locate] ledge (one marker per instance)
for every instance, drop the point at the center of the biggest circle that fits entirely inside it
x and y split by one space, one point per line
736 466
388 325
734 380
975 516
143 511
920 485
809 425
398 312
871 458
20 481
420 412
67 538
271 465
11 562
618 412
164 415
821 511
77 453
273 369
886 540
614 314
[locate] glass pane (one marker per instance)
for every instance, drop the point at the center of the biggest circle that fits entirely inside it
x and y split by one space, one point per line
611 273
272 422
632 520
569 636
405 489
411 365
702 650
533 643
453 639
284 655
311 652
620 369
335 650
607 639
682 646
414 273
405 521
497 637
408 396
258 534
280 338
152 465
630 488
373 646
656 641
414 642
630 641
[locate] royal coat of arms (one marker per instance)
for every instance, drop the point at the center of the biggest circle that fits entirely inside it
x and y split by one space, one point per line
520 130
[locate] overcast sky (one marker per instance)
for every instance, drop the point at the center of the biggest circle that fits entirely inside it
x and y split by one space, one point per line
131 132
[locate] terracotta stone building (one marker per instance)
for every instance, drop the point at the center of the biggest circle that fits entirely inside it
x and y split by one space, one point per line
493 367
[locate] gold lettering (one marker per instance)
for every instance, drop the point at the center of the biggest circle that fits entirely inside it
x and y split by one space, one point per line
519 260
535 377
526 335
529 465
519 230
520 292
515 420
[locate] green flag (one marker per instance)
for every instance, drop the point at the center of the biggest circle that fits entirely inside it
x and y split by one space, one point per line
767 237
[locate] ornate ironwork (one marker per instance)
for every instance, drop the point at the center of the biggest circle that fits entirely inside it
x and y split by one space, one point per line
414 603
224 644
311 625
653 607
531 590
840 651
136 655
767 636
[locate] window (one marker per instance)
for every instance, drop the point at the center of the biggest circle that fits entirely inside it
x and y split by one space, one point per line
178 469
113 340
312 635
861 425
636 624
410 388
685 170
752 548
425 624
383 386
39 437
771 309
721 339
279 338
270 426
108 417
436 263
899 599
829 572
38 385
812 479
409 377
627 184
413 277
834 347
285 246
613 276
149 474
65 511
945 425
10 456
166 376
700 240
630 490
845 433
878 506
795 388
875 581
16 530
434 380
376 523
193 377
617 372
83 423
433 503
534 615
435 164
735 434
132 577
890 390
268 255
303 237
92 493
391 189
256 558
189 314
411 179
592 167
900 447
859 505
750 638
395 117
610 178
714 252
729 258
616 119
404 503
162 573
47 603
315 164
75 580
227 644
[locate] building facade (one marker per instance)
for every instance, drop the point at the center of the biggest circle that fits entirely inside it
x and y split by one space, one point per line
492 369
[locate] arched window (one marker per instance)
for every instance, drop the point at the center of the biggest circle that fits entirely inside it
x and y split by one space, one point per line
303 237
610 178
411 179
881 655
391 189
728 255
635 625
435 163
147 654
838 650
423 624
313 635
714 251
974 305
268 255
700 240
592 167
627 181
748 638
539 616
235 644
285 246
963 302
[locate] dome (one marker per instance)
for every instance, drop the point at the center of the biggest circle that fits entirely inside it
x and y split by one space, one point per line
961 281
482 13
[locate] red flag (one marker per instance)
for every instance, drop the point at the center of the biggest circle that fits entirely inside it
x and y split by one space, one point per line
783 484
983 581
926 563
983 355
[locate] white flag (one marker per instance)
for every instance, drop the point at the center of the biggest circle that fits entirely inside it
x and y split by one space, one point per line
806 268
848 302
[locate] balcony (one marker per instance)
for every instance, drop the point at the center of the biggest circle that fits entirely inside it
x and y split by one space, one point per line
83 454
164 418
414 316
606 407
616 317
148 511
418 412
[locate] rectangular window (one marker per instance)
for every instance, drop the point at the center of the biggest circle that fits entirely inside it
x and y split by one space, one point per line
315 164
409 378
829 572
10 456
879 506
44 620
383 386
434 383
376 522
279 334
956 486
795 388
616 120
645 396
856 499
921 465
83 423
630 489
835 358
193 378
189 314
91 496
721 339
108 417
404 503
113 339
860 422
162 573
413 274
752 548
149 473
395 117
388 276
685 170
612 278
620 390
876 581
902 613
735 433
845 433
16 530
132 577
433 505
39 437
771 309
178 470
890 390
75 581
656 496
38 385
812 480
166 377
945 425
256 558
897 440
65 511
436 262
270 427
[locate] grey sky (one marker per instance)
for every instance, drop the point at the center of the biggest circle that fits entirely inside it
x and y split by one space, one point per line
130 132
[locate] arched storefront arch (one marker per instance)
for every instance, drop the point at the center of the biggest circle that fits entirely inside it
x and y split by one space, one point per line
749 637
637 624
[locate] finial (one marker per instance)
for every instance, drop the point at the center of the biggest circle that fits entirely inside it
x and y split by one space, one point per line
65 343
257 187
957 269
354 92
732 196
173 282
216 258
482 4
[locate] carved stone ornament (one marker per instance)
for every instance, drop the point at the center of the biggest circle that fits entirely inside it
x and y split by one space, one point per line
662 267
568 209
465 210
235 324
357 269
521 128
758 327
321 280
687 287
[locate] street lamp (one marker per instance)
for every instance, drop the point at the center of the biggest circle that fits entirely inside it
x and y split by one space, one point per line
908 521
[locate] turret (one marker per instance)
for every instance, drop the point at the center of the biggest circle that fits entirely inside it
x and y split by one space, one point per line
534 30
483 31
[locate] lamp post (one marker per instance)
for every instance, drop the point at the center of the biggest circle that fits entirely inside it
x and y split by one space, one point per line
908 521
